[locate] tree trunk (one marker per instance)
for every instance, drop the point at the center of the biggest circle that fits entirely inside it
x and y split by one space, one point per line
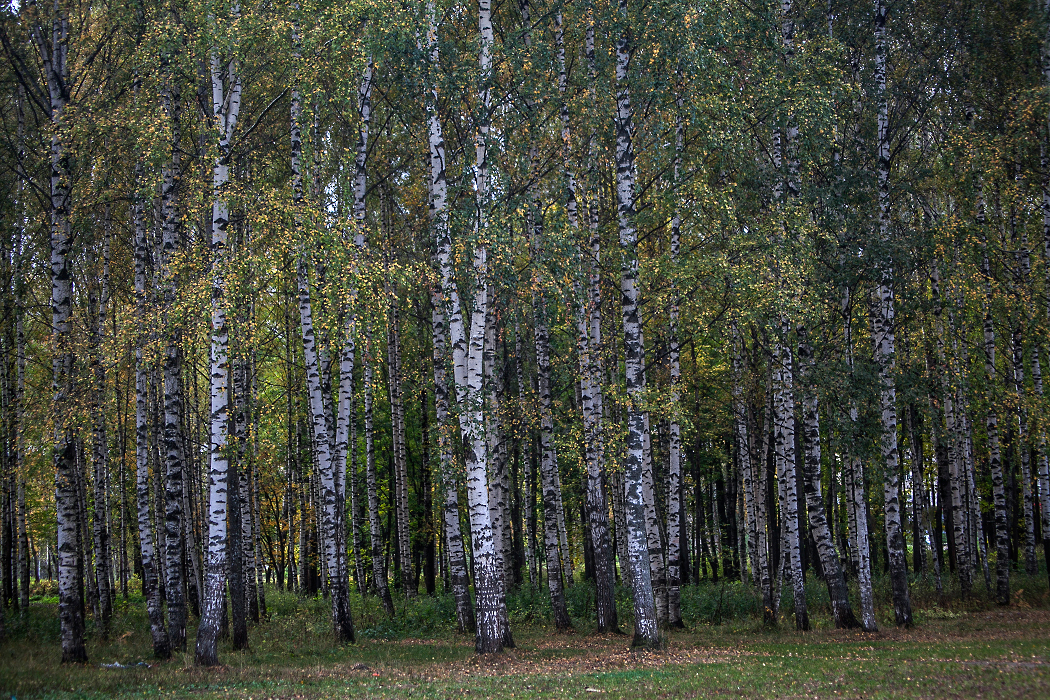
883 337
548 458
495 437
235 543
954 513
174 553
674 461
397 417
375 527
460 582
991 425
743 447
818 524
150 582
100 447
1028 506
53 47
646 632
331 525
787 479
492 622
853 474
226 105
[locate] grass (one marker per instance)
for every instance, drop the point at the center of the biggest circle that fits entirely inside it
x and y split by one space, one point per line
956 650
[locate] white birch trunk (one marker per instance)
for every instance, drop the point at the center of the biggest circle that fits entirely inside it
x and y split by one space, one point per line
329 442
174 588
954 455
53 48
818 523
492 622
226 106
1043 464
548 455
646 631
397 418
991 425
855 494
1028 508
100 449
439 221
674 462
787 472
1022 270
883 336
375 527
494 436
743 445
150 579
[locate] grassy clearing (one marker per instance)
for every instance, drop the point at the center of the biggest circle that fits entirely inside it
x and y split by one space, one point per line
955 650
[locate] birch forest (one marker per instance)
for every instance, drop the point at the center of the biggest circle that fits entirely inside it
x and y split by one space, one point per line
611 301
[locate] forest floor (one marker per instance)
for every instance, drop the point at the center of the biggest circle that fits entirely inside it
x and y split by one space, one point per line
972 651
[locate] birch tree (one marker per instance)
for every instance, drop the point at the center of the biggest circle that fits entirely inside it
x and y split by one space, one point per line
52 44
226 91
646 632
883 336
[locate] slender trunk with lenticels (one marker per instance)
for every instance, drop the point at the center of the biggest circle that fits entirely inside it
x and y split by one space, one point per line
150 581
226 106
52 44
646 628
439 221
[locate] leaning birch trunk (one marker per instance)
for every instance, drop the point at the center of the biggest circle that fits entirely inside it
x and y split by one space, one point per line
439 222
174 586
342 621
548 455
855 494
324 443
646 631
100 449
883 337
226 106
818 523
53 52
150 579
787 470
